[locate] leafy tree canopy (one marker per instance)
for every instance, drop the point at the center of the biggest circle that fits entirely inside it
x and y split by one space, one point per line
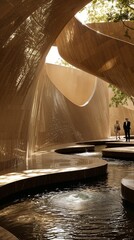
110 10
119 97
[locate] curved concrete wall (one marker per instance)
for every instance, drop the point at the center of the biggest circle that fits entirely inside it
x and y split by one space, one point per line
27 31
74 84
55 119
120 114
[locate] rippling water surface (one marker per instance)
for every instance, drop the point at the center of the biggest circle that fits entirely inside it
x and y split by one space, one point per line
93 211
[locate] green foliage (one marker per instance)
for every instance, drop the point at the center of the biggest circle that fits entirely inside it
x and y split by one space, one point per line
62 62
111 10
119 97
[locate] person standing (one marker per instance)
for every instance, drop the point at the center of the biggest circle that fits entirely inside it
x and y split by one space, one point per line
117 129
126 127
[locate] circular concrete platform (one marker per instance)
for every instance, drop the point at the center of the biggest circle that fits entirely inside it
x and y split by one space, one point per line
122 153
45 169
119 144
76 149
127 189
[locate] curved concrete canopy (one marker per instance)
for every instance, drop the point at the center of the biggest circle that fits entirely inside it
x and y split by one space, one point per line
106 57
74 84
121 30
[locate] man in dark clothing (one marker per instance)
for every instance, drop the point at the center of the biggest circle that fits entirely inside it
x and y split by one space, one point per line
126 127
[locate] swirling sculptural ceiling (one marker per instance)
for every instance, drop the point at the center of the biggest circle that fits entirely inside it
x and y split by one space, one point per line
125 32
109 58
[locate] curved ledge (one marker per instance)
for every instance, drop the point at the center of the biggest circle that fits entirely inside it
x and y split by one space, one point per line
96 142
127 189
122 153
119 144
76 149
55 169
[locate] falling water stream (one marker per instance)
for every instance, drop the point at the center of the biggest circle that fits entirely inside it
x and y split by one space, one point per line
93 211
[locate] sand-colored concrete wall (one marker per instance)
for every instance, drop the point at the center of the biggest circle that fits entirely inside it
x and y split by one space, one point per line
78 86
120 114
27 31
58 120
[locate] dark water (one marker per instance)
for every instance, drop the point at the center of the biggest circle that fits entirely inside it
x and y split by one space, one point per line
93 211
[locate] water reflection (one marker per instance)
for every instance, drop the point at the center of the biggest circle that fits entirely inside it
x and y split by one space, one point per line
92 211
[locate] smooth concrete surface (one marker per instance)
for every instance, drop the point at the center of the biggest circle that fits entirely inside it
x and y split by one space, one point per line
127 189
76 149
119 144
76 85
14 183
122 153
46 167
98 142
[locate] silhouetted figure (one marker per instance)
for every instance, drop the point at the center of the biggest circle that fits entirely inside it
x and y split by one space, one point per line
126 127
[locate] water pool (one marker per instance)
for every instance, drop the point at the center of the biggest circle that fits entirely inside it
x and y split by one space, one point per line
92 211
